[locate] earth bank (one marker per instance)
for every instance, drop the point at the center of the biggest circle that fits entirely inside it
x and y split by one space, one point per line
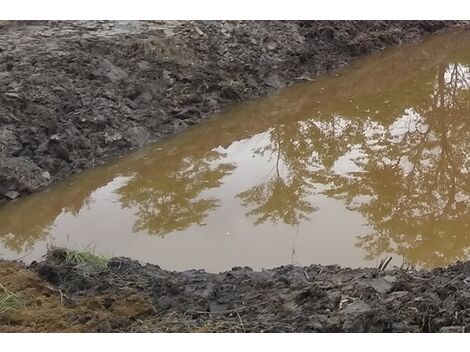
130 297
72 94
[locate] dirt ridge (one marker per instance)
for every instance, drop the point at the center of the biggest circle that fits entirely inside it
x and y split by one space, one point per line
129 296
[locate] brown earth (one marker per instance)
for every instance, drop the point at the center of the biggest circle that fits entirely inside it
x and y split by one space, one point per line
72 94
45 308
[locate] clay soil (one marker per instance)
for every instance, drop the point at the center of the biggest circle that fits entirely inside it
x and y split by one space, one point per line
72 94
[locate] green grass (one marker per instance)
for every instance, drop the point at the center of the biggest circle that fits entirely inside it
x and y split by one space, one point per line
75 257
8 300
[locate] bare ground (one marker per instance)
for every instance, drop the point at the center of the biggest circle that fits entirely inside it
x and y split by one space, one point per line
130 297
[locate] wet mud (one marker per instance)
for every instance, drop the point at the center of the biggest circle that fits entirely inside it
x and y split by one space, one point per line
72 94
130 297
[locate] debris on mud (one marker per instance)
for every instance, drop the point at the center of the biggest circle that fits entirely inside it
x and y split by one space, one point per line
74 93
128 296
45 308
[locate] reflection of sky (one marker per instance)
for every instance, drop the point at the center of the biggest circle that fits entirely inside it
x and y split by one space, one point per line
410 122
457 75
346 163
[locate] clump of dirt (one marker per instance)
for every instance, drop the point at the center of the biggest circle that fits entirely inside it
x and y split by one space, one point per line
74 93
45 308
285 299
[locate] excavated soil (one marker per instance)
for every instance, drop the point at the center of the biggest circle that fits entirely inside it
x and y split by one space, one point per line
45 308
74 93
130 297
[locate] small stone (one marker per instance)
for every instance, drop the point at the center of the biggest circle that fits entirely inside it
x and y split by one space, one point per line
356 307
383 284
452 329
46 175
12 195
113 137
12 95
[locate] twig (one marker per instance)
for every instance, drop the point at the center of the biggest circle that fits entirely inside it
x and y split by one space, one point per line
61 296
241 322
450 281
227 311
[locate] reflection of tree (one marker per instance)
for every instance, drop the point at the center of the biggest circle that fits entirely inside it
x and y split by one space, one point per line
169 200
165 190
417 180
282 198
29 220
413 183
275 200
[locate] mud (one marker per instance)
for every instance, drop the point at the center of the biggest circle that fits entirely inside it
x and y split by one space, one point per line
130 297
45 308
74 93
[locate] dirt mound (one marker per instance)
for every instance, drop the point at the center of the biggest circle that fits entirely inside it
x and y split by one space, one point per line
74 93
286 299
130 297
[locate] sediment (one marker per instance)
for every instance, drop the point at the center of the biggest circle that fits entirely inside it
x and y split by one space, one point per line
73 94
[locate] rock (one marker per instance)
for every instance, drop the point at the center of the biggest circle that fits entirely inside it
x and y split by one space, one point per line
46 175
110 138
19 175
137 136
357 307
452 329
382 284
12 195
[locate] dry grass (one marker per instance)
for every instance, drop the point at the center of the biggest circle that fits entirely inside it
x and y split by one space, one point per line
9 300
185 322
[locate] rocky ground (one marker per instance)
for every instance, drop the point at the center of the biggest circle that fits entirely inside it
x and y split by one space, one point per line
74 93
130 297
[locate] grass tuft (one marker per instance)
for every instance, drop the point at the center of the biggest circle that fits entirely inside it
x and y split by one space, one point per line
59 255
9 300
75 257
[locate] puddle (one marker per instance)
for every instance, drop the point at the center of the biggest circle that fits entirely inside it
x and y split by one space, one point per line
371 162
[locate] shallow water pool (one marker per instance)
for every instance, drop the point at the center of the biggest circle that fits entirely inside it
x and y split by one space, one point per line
367 163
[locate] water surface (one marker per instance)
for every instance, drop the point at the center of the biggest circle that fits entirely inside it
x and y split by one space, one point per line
370 162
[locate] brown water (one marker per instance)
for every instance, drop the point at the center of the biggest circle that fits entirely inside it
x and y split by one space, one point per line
371 162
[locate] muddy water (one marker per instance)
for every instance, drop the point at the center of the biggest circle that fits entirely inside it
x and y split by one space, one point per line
371 162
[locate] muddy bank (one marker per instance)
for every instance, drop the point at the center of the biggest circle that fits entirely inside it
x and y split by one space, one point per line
39 306
128 296
74 93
